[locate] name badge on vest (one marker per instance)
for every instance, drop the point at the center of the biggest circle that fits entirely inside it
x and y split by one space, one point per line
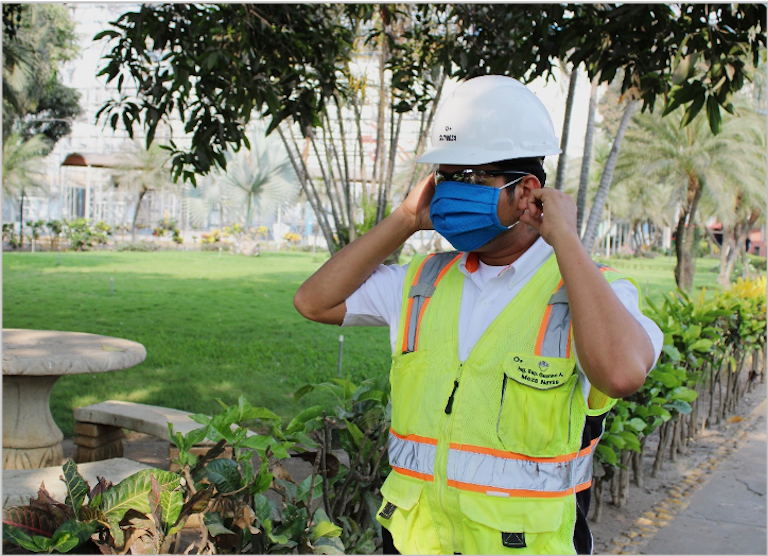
539 372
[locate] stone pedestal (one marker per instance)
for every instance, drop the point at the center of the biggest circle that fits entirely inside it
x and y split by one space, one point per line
33 360
30 436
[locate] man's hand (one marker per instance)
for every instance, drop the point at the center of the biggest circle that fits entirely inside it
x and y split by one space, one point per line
416 205
552 213
322 297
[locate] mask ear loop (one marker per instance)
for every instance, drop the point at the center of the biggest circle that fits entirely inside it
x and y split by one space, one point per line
504 187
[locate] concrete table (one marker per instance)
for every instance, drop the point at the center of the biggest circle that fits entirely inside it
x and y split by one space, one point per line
33 360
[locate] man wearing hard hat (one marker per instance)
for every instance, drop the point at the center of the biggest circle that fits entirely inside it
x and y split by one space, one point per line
507 353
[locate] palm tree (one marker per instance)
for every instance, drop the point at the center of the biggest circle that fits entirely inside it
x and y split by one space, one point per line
740 206
255 183
201 200
144 170
694 162
573 78
596 214
586 159
23 170
260 180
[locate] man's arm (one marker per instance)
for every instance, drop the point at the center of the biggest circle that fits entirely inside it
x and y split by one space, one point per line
614 350
322 297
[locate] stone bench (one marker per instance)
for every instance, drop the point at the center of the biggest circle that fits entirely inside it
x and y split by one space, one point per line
99 427
21 485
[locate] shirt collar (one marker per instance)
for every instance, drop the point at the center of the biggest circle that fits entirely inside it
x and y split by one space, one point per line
528 262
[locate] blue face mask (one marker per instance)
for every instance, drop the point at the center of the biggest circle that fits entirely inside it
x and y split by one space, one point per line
465 213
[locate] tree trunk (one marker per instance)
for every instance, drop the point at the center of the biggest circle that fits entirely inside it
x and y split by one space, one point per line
309 189
626 459
596 213
586 160
21 220
637 464
563 158
136 213
726 249
378 163
673 443
659 459
686 225
598 511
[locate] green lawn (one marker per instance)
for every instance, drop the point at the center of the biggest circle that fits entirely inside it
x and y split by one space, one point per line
657 276
214 327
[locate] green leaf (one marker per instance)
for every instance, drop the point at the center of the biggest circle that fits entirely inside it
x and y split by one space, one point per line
684 394
683 408
18 537
259 413
631 441
668 379
309 414
356 433
260 443
326 545
638 424
224 474
701 345
692 110
672 352
303 391
376 395
607 454
661 412
325 529
303 490
215 524
714 116
263 480
262 508
614 440
72 534
77 488
171 503
132 492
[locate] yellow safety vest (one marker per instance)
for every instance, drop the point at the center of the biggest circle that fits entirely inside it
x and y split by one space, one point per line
487 455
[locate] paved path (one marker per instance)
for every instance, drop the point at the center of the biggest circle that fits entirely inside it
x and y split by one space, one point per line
727 515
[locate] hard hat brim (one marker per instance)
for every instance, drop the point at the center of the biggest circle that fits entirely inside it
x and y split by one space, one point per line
476 156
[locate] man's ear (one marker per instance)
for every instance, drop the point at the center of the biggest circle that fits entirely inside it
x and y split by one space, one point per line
529 183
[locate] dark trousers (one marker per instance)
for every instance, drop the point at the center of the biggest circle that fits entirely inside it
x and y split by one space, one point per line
388 545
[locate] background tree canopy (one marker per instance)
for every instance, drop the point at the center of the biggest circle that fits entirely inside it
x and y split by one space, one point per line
217 63
37 39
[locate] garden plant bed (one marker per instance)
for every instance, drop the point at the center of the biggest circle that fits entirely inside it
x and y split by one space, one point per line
674 480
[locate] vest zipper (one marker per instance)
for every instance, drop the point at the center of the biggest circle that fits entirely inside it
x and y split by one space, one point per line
444 444
501 406
449 406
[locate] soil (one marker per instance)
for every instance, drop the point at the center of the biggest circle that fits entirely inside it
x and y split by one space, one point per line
614 523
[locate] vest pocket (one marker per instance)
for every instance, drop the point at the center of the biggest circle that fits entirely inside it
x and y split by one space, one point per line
535 411
486 517
407 383
410 521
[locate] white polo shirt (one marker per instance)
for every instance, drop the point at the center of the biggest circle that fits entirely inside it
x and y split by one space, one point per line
378 302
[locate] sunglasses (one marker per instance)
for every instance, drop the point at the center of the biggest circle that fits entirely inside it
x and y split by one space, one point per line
476 177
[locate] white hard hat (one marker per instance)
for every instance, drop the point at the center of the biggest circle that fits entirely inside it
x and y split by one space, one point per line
488 119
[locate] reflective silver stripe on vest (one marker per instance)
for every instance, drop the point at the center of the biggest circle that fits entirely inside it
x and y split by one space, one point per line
494 472
423 289
412 455
555 342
